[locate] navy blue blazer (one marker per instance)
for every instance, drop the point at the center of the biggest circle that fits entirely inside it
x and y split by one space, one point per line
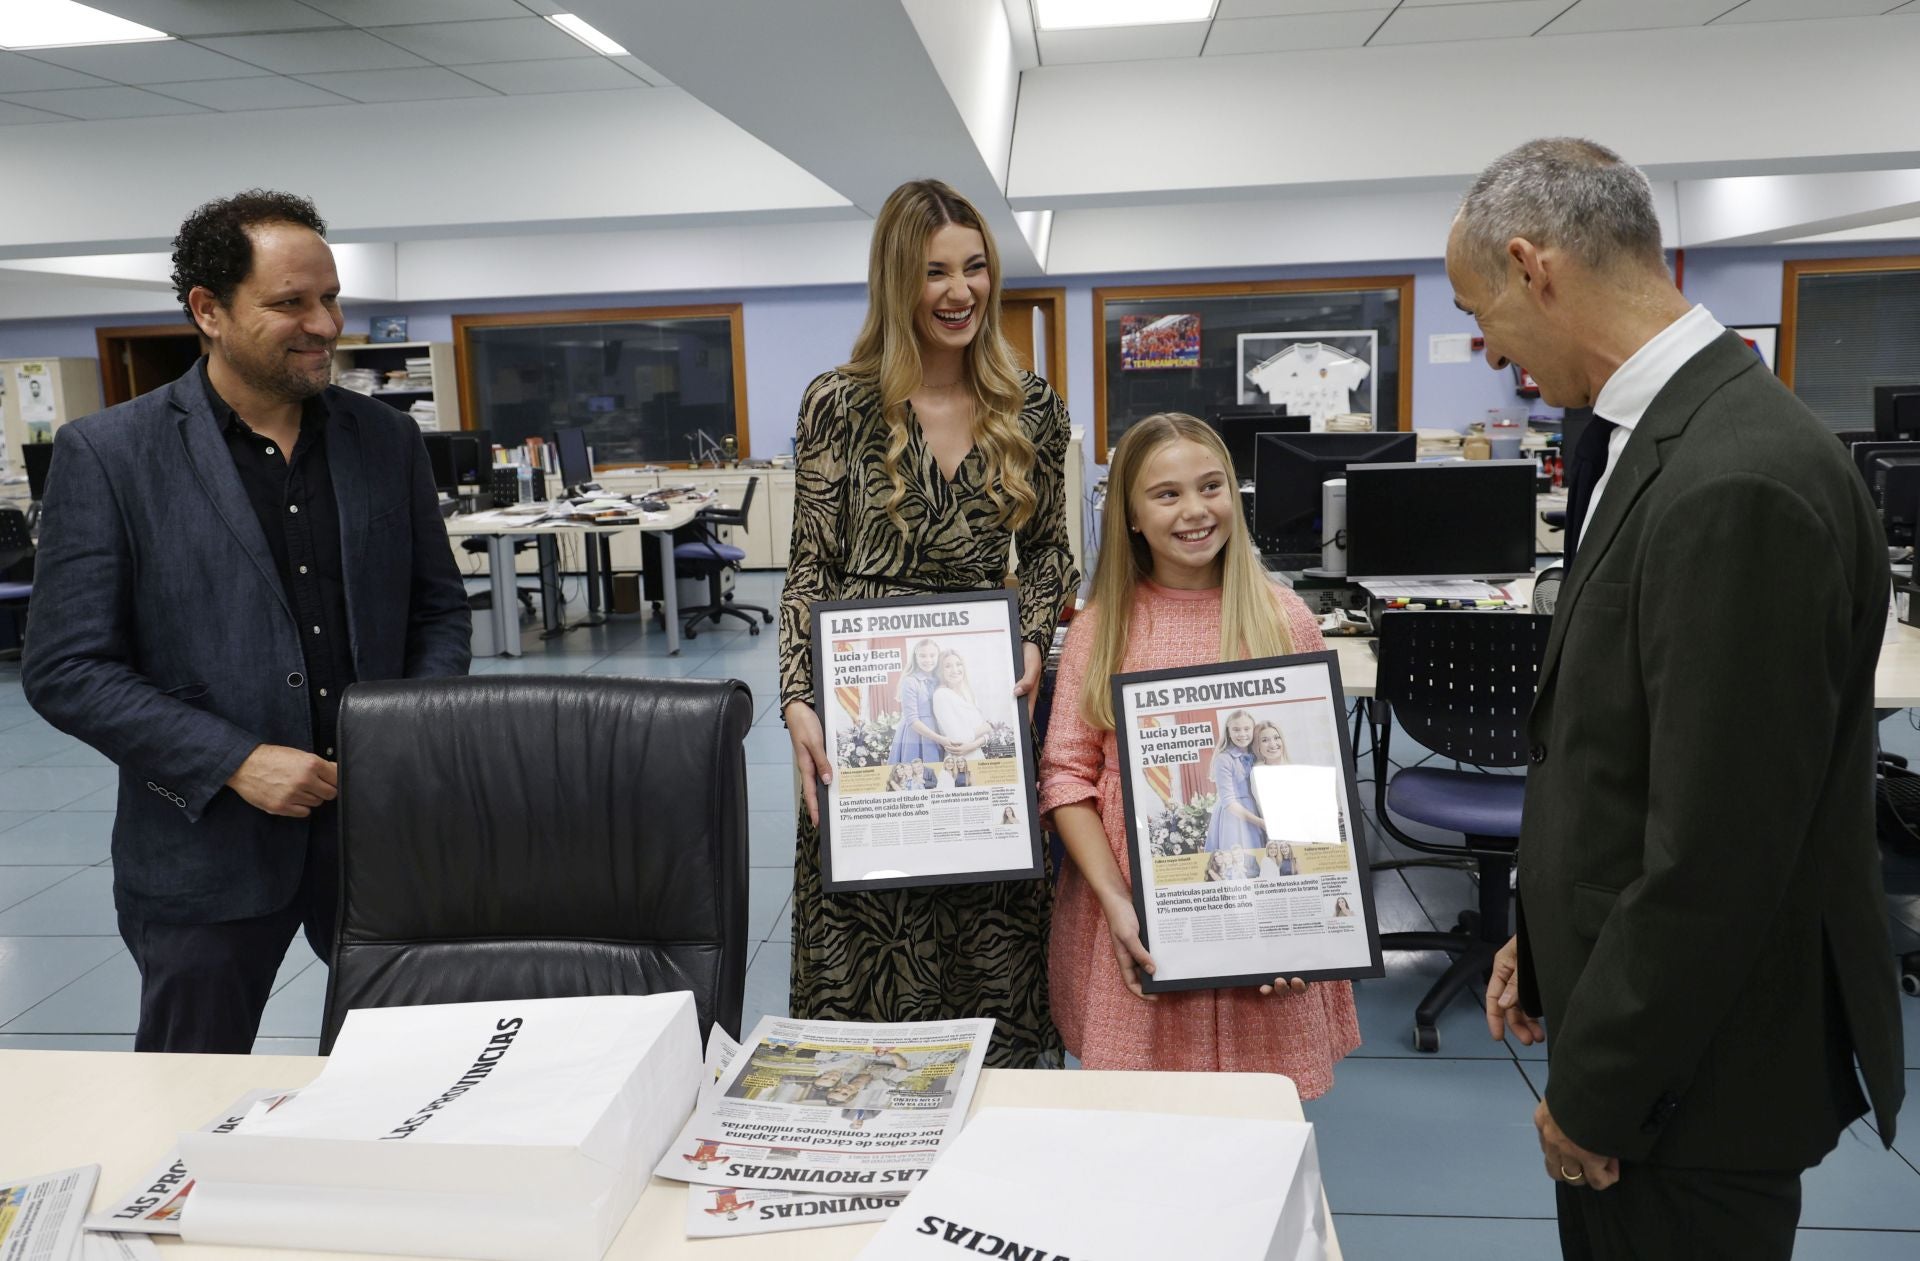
162 637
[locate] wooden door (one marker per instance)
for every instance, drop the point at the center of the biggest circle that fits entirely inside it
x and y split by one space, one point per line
1034 322
144 357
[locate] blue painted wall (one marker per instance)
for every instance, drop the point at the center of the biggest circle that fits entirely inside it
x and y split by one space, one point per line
794 334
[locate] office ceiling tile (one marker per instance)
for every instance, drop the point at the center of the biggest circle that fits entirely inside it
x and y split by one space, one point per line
571 74
474 43
315 52
217 17
1122 43
19 73
1294 34
111 102
427 83
1789 10
174 61
1590 16
13 115
1234 10
408 12
235 95
635 66
1493 19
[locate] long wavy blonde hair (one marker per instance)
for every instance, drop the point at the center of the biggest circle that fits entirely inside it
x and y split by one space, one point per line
1250 621
886 354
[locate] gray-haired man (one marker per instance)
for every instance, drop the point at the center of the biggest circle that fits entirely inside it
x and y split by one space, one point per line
1701 919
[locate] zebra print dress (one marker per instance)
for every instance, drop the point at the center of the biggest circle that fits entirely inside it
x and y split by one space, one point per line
918 954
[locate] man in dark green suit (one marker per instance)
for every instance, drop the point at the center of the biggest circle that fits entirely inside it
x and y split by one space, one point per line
1701 918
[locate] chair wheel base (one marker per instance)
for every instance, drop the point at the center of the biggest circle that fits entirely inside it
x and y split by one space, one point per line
753 630
1426 1039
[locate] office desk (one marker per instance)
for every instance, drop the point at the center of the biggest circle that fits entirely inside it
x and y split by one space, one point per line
500 536
122 1111
1896 683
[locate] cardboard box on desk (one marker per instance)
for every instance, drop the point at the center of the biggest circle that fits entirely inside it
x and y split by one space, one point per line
1114 1186
512 1131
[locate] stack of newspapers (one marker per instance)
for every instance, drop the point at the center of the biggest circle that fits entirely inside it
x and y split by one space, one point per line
519 1130
821 1123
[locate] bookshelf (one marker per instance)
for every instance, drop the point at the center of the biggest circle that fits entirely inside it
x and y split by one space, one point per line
384 357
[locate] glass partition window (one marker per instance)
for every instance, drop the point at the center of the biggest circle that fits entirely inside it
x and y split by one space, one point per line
1317 347
647 386
1847 326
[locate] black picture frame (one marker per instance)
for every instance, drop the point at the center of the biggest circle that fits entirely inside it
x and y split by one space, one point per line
830 880
1140 860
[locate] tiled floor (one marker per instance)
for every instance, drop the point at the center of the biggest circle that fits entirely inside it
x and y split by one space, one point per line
1428 1156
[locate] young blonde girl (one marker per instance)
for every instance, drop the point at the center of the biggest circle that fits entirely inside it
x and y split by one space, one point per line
1178 584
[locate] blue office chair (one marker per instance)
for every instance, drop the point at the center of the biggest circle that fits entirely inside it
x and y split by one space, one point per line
16 577
699 552
1461 685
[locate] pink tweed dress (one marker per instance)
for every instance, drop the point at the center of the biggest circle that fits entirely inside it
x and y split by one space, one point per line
1104 1025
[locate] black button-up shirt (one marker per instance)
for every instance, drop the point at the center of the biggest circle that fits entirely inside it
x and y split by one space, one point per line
294 501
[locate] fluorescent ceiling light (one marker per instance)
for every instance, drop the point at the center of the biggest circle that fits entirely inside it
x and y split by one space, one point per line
63 23
578 28
1074 15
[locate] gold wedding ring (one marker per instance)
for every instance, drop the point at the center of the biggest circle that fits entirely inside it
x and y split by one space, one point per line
1575 1176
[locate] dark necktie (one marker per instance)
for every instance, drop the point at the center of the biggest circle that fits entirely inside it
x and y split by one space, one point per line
1583 474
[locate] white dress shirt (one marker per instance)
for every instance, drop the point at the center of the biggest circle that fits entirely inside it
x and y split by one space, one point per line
1628 393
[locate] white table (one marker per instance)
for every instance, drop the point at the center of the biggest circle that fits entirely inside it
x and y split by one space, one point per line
501 533
122 1111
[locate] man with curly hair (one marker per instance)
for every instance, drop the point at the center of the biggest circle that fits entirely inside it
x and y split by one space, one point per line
220 559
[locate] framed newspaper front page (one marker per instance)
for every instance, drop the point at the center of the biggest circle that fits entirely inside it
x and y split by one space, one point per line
1243 824
932 759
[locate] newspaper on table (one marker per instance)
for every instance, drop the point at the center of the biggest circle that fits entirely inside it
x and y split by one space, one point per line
932 779
714 1212
1033 1182
153 1207
1242 824
40 1217
820 1105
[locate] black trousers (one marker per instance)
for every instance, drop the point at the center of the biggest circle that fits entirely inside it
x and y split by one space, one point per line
1654 1213
203 987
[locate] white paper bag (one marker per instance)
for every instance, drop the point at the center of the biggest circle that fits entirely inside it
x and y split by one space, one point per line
1114 1186
513 1131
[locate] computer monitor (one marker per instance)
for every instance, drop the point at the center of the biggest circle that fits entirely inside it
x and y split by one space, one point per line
1896 412
1892 473
576 465
1289 470
1471 519
461 460
38 457
1240 428
1864 454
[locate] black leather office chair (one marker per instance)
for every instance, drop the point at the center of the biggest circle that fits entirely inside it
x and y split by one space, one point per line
702 553
1897 814
16 577
1461 684
542 837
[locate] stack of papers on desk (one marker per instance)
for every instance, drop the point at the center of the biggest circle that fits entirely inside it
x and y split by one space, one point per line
514 1131
1451 589
1114 1186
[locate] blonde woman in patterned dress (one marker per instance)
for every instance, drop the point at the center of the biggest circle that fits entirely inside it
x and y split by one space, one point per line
918 463
1178 584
